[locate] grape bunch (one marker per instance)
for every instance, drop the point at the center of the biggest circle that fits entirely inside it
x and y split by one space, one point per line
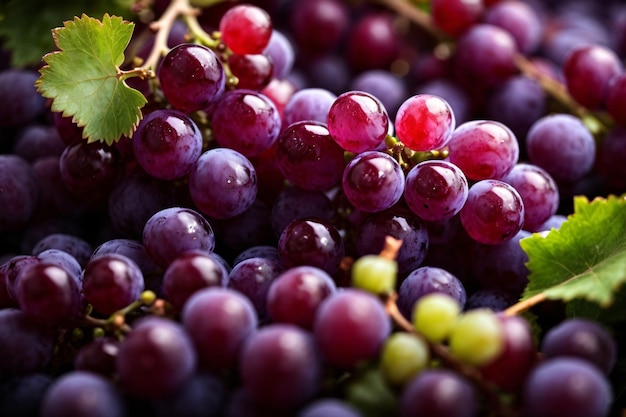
318 213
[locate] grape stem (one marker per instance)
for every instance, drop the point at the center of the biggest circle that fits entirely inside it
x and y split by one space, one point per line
442 353
526 304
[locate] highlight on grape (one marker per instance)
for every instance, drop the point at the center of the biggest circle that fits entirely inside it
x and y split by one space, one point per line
304 208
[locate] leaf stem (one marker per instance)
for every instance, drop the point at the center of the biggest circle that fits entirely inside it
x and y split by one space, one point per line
526 304
417 16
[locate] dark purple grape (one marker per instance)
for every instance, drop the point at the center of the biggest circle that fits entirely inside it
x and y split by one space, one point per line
20 103
260 251
350 327
19 195
562 145
439 392
203 396
253 71
296 203
111 282
566 387
38 141
64 260
174 230
10 272
373 42
373 181
218 341
456 16
135 251
308 157
48 293
156 358
191 77
223 183
389 88
584 339
98 356
190 272
318 27
245 121
325 407
312 242
76 246
491 298
253 278
82 394
295 295
493 212
400 224
22 396
520 19
264 376
26 345
425 280
167 144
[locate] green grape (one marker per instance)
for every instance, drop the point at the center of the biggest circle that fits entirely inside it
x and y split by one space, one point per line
477 337
403 356
434 315
375 274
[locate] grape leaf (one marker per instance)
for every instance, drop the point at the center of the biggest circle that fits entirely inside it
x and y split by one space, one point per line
585 259
82 77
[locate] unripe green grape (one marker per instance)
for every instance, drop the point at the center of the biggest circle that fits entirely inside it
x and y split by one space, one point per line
434 315
477 337
375 274
403 356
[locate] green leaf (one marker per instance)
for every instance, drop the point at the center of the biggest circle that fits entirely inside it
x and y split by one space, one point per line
585 259
82 77
25 25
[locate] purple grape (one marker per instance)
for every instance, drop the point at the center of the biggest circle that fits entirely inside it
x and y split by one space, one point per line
82 394
484 149
202 396
502 266
452 93
281 52
491 298
350 327
325 407
65 260
308 156
264 375
518 103
309 104
554 222
539 193
26 345
223 183
520 20
384 85
172 231
439 392
20 103
133 250
38 141
373 181
587 72
400 224
318 27
312 242
134 200
167 144
358 121
218 341
253 71
565 386
584 339
425 280
77 247
156 359
253 278
485 56
22 396
18 198
435 190
10 272
190 272
91 170
48 293
296 203
245 121
329 71
456 16
260 251
374 41
111 282
98 356
191 77
493 212
295 295
562 145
